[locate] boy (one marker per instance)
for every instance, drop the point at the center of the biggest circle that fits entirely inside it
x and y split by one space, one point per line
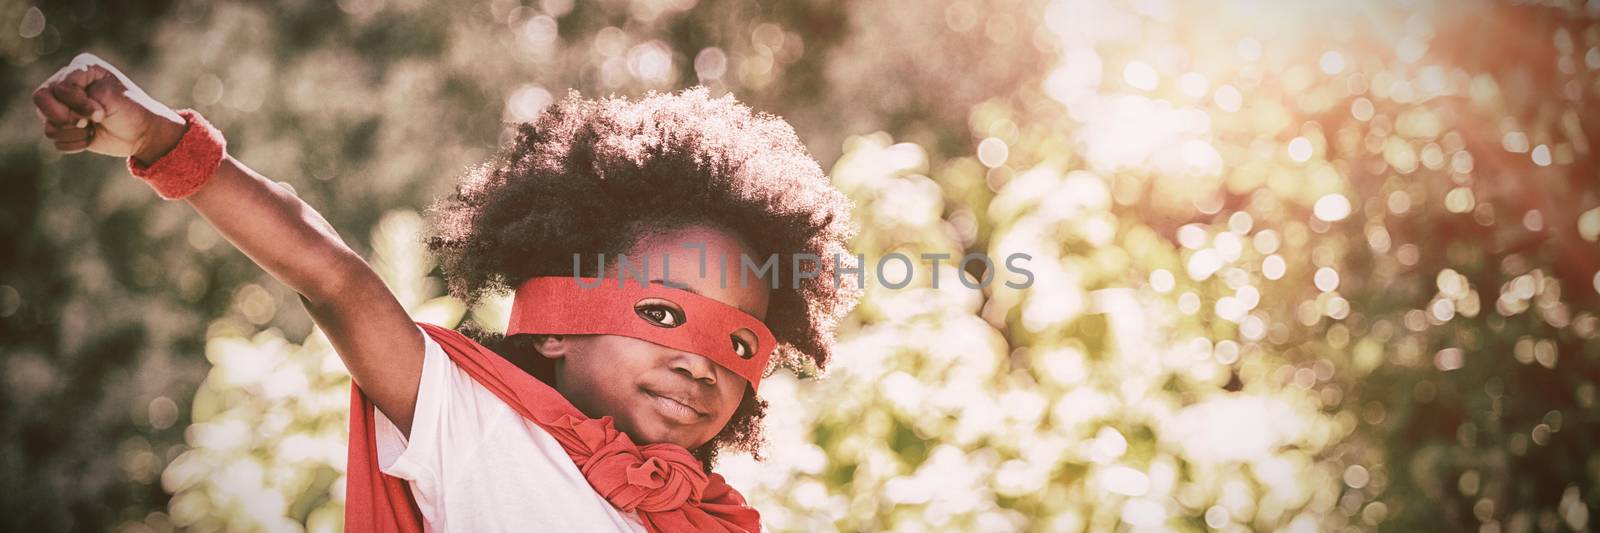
603 406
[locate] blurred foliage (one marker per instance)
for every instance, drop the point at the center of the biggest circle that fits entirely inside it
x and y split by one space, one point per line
1302 266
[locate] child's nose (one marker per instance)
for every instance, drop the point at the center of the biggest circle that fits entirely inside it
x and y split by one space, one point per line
695 367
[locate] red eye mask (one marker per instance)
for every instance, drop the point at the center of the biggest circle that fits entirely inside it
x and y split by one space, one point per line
558 305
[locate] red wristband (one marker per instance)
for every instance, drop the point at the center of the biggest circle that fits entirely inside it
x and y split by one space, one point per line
189 165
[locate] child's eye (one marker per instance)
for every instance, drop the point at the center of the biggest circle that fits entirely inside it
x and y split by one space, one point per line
744 343
660 315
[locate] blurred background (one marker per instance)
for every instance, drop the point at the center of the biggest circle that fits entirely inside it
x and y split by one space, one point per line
1303 266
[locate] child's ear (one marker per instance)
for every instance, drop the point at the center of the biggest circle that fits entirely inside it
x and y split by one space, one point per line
552 347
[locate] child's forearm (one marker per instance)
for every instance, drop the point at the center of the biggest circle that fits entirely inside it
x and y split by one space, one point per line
266 221
91 106
278 231
364 322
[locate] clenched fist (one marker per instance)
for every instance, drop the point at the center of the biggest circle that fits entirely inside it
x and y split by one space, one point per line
90 105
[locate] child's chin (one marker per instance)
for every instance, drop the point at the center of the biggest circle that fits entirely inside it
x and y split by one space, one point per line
649 431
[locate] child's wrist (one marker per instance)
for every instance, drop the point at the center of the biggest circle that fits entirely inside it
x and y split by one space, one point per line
184 165
161 139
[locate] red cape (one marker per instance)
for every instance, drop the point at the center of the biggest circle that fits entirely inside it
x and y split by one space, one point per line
662 482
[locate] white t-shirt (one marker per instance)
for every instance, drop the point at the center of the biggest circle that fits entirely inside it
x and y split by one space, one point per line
474 464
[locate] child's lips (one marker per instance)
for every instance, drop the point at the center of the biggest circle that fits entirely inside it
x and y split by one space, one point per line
679 410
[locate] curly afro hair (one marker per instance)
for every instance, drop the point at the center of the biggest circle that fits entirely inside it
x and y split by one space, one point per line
593 176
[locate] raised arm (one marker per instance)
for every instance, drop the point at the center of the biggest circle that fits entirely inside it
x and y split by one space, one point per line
91 106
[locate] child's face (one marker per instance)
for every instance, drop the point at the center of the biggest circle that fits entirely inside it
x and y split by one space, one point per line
643 386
